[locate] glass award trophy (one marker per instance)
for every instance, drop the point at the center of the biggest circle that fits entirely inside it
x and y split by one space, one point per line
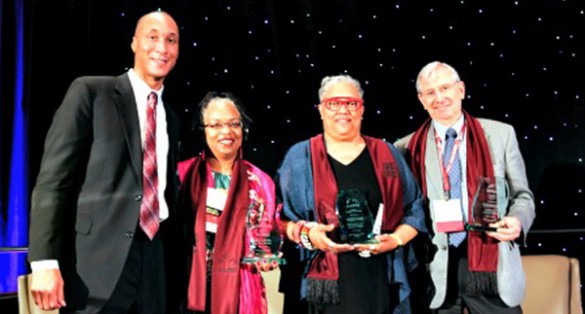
484 208
355 218
264 234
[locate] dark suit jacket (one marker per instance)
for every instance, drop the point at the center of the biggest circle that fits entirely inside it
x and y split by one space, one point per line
86 202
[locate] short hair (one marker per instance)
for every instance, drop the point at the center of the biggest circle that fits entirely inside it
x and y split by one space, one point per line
329 81
216 95
430 69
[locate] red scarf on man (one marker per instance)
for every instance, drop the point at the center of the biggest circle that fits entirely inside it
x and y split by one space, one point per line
482 250
324 271
229 240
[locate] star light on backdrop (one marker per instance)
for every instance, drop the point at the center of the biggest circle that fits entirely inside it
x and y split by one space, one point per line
521 61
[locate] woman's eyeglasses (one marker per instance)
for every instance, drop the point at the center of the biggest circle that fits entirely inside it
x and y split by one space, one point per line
216 125
335 103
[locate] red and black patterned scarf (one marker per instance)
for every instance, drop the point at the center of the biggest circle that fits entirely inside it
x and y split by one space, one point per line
229 240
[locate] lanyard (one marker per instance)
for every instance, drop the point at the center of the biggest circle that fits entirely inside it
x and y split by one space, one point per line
454 153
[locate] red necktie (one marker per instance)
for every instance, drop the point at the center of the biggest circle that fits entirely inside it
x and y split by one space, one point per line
149 210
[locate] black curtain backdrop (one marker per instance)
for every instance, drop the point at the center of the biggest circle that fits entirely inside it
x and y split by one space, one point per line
522 62
517 61
6 101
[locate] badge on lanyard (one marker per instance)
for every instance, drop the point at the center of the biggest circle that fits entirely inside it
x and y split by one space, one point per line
447 215
216 199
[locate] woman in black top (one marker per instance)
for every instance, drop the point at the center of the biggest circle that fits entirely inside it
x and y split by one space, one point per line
328 273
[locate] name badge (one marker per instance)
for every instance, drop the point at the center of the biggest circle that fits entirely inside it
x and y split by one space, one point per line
448 215
216 199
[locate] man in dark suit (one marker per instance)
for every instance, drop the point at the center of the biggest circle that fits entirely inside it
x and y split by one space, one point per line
480 271
102 218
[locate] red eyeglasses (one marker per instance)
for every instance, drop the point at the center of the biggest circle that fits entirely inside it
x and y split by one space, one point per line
335 103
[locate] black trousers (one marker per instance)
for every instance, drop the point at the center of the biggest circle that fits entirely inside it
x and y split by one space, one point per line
457 300
141 288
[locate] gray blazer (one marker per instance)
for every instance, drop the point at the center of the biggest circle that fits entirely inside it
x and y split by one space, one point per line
508 164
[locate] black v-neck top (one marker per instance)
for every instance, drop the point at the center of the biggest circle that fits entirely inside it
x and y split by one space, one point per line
363 282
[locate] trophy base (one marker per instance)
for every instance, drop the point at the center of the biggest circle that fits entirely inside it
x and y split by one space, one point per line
370 241
268 259
479 228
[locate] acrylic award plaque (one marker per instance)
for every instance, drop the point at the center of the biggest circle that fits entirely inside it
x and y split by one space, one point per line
264 234
355 217
484 208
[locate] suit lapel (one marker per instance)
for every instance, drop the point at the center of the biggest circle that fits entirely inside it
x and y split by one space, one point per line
433 168
126 106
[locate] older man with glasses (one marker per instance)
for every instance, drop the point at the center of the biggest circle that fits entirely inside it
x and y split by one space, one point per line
473 176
